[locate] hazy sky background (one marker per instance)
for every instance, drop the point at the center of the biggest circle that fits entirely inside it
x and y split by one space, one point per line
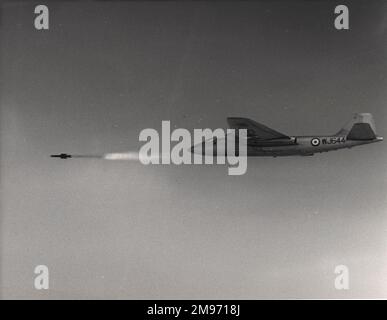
105 71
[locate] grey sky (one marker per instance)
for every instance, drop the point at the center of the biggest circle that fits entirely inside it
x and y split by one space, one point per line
106 229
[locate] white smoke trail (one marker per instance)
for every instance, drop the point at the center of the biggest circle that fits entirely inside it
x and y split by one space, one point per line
160 158
134 156
131 156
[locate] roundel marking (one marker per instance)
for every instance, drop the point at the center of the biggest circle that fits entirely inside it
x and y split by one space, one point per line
315 142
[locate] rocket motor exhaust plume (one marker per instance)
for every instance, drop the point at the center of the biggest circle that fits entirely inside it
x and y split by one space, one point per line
134 156
131 156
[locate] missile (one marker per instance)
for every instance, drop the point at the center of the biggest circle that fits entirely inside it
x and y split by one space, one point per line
62 156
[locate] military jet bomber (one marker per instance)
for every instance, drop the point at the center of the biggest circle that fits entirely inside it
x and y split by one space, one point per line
263 141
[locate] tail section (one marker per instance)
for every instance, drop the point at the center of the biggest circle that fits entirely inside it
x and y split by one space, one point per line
360 127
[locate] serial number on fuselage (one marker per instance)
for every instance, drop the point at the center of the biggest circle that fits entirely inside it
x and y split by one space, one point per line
333 140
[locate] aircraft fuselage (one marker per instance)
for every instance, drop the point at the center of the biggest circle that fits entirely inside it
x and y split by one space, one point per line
297 145
306 145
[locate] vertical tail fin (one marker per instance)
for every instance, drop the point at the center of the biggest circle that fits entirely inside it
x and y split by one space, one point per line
360 127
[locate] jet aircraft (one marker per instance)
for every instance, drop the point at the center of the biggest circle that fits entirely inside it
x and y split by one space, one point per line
264 141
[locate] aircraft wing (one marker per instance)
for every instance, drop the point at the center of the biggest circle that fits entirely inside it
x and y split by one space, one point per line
255 129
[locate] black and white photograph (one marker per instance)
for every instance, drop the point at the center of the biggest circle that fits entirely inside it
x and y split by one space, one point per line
193 150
